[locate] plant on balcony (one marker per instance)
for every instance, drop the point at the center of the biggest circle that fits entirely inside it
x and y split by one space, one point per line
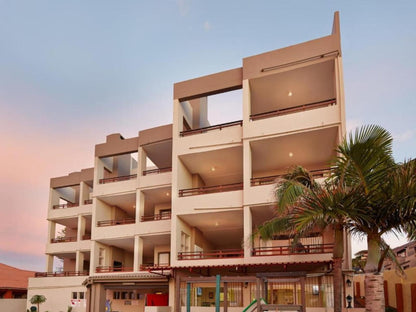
37 299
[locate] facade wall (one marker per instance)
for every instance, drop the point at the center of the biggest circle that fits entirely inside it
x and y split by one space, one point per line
13 305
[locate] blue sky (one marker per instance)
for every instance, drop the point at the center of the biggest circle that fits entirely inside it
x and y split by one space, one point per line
72 72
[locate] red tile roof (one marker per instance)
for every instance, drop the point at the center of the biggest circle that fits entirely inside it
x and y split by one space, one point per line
11 277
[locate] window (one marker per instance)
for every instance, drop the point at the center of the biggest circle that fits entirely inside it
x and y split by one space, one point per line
164 258
101 256
81 295
116 295
74 295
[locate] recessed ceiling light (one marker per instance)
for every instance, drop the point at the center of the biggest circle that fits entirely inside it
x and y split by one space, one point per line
134 206
216 223
167 193
290 93
290 154
212 168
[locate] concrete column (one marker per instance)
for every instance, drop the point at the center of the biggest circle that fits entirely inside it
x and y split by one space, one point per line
248 224
49 263
84 193
81 227
140 198
141 165
51 230
138 253
79 261
246 103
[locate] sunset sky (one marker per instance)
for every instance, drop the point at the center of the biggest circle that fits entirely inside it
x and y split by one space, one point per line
72 72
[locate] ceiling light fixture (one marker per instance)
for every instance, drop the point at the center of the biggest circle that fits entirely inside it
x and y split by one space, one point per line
212 169
167 193
290 154
290 93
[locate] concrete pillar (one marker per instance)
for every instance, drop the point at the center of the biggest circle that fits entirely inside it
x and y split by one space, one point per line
140 198
138 253
248 224
79 261
81 227
51 230
49 263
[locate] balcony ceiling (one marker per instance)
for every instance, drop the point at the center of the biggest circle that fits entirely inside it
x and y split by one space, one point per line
156 196
261 214
227 164
125 201
313 150
223 229
122 243
149 243
160 153
308 84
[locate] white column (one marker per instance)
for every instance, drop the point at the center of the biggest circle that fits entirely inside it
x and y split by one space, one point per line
49 263
248 224
51 230
79 261
138 253
81 227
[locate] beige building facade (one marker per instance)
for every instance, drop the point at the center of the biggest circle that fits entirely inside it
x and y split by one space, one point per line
164 220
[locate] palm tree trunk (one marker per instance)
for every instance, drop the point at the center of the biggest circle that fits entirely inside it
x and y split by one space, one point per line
374 280
337 259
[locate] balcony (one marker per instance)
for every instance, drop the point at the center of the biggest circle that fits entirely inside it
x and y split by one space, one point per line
292 249
156 217
115 222
318 173
64 206
110 269
157 171
212 254
63 239
211 128
211 189
61 274
294 109
117 179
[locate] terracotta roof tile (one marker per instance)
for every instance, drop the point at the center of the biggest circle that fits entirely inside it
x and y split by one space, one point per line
11 277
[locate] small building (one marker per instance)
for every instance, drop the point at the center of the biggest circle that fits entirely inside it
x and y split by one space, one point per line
13 288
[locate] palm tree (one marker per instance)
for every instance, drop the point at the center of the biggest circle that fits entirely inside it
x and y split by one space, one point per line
304 205
388 192
37 299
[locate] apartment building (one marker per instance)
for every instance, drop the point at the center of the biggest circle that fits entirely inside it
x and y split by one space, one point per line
164 220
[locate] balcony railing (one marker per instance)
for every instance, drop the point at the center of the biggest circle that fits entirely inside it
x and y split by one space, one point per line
318 173
117 179
290 250
212 254
67 205
64 239
211 189
86 237
108 269
88 202
146 266
157 171
116 222
60 274
294 109
210 128
156 217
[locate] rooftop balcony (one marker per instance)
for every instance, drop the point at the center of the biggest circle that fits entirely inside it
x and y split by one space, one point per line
211 128
156 171
63 239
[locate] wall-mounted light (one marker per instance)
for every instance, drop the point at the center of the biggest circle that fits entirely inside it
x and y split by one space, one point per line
349 300
349 283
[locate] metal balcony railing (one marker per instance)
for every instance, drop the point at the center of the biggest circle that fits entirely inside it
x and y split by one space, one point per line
64 239
67 205
318 173
147 266
86 237
211 254
210 128
294 109
211 189
117 179
108 269
157 171
290 250
115 222
156 217
88 202
60 274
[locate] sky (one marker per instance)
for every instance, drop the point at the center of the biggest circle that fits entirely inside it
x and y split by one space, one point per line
72 72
